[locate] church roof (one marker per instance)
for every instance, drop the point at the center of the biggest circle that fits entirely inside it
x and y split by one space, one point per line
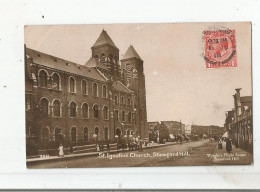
131 53
63 65
104 39
118 86
93 62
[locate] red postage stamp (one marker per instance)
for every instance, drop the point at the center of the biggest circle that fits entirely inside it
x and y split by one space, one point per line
220 48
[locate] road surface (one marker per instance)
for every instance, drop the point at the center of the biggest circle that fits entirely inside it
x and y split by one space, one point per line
186 154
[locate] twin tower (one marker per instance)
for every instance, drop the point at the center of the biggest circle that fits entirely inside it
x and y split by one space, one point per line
129 71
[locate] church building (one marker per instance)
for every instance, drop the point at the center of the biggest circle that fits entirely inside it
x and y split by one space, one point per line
75 104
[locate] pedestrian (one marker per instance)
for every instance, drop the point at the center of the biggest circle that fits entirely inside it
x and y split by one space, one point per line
108 147
61 153
220 144
228 145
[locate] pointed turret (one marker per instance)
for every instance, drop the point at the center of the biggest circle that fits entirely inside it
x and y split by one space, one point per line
131 53
105 51
104 39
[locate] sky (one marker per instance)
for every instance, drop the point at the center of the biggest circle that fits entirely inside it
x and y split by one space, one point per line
178 85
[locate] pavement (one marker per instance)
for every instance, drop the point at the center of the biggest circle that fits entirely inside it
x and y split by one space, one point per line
72 156
236 157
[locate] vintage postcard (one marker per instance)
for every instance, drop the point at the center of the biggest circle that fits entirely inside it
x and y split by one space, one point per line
138 95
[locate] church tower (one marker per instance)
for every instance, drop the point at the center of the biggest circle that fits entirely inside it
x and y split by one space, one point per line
133 77
105 51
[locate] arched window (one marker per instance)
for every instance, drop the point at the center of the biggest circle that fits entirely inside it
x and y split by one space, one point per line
84 87
123 115
106 133
45 135
73 134
72 85
130 116
43 78
56 108
95 111
95 90
44 104
116 99
85 110
56 81
104 91
97 132
128 101
85 134
73 109
103 58
116 115
122 100
105 112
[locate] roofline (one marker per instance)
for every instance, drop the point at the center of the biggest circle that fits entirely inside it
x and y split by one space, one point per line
54 56
86 77
125 86
101 74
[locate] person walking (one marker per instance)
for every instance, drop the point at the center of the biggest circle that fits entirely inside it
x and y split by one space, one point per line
220 144
228 145
61 152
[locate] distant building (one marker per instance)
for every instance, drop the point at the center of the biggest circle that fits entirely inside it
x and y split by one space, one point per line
151 125
174 127
211 131
239 121
188 129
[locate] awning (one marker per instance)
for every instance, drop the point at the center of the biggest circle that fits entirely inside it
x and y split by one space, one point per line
172 136
225 134
204 135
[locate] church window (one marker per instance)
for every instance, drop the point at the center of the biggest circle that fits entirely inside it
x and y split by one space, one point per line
104 91
85 110
84 87
95 90
95 111
72 85
43 78
73 109
105 112
56 108
56 81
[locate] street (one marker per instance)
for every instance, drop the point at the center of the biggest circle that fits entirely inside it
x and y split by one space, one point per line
186 154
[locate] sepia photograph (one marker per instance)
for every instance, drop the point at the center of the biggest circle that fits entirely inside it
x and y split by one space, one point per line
138 95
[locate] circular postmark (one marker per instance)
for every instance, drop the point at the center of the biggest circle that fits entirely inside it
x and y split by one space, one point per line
220 48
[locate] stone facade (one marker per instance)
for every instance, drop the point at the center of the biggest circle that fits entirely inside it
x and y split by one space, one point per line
239 122
80 104
211 131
